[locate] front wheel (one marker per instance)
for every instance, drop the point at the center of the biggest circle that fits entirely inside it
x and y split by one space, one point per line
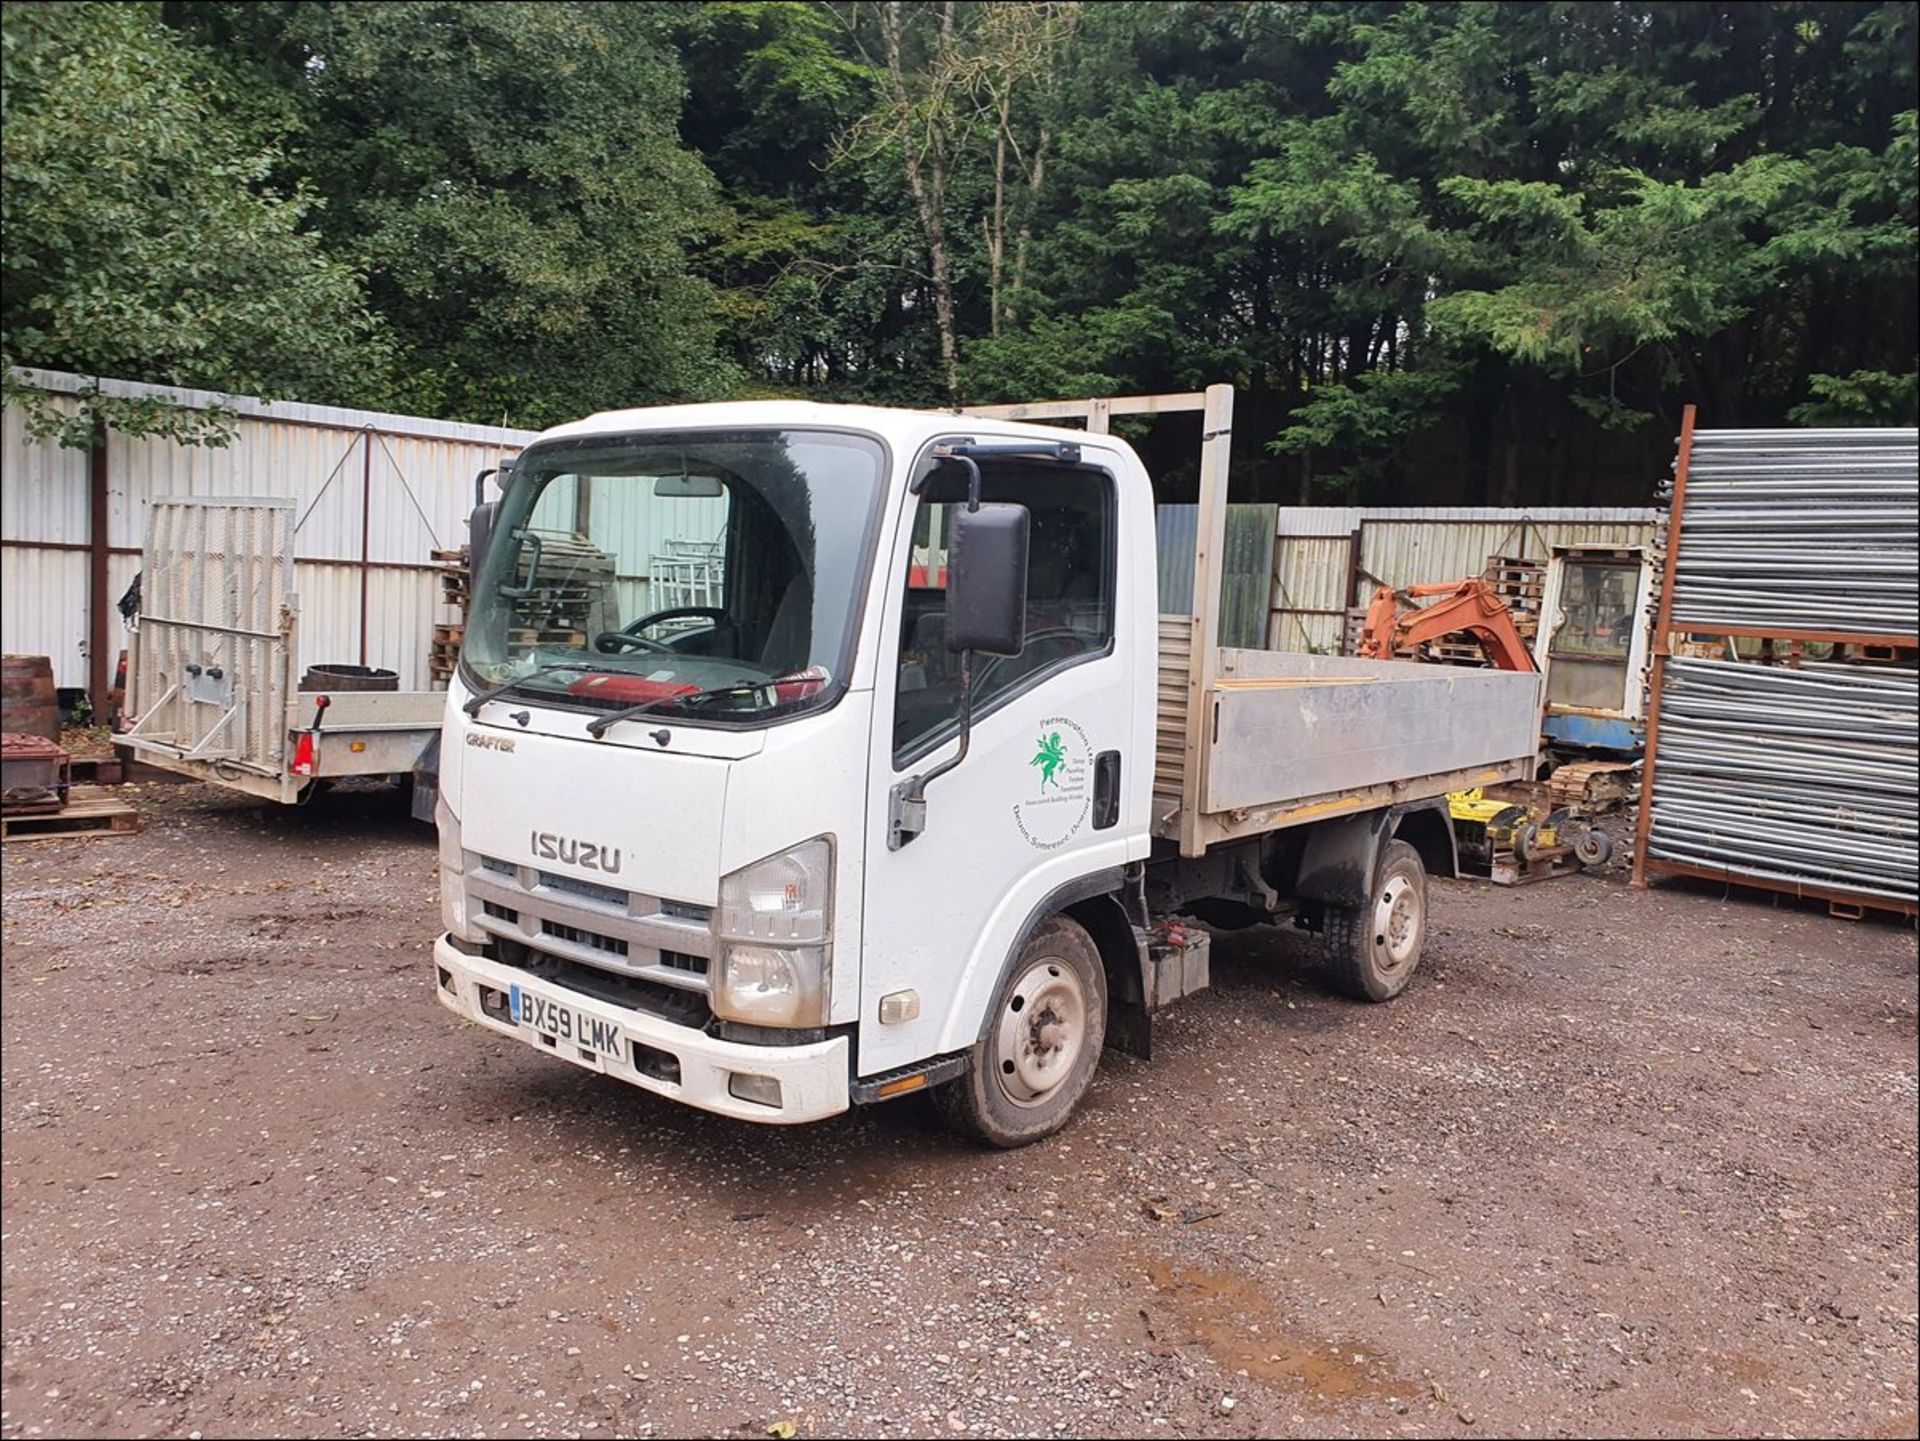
1041 1046
1374 949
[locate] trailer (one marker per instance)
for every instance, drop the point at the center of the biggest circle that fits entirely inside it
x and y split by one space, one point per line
214 683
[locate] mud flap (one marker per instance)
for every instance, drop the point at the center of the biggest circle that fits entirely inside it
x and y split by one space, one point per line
1337 866
426 781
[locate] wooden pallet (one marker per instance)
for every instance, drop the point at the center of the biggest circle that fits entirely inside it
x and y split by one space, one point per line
98 770
1520 581
90 811
455 579
573 584
1450 652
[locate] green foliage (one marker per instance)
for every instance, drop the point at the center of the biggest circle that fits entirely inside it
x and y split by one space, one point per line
1369 417
1480 231
144 240
511 179
1867 397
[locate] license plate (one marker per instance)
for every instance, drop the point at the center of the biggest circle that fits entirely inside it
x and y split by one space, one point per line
561 1025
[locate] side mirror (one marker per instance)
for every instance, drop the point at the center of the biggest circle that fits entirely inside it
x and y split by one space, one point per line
479 537
987 579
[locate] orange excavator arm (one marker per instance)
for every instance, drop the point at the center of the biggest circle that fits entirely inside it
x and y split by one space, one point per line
1394 623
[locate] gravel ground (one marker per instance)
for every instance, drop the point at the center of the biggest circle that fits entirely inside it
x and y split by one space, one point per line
1620 1162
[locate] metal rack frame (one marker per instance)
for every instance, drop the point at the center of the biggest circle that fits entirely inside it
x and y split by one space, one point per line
1665 657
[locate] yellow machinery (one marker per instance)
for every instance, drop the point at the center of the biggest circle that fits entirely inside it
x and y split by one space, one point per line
1523 833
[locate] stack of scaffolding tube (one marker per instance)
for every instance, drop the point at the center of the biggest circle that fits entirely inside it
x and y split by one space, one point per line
1791 777
1775 765
1805 530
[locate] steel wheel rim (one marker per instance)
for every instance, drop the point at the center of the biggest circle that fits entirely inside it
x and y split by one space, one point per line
1397 923
1041 1032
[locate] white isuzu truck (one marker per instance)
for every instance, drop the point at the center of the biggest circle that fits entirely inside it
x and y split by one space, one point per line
928 794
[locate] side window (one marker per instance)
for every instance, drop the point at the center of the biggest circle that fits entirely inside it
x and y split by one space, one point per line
1070 593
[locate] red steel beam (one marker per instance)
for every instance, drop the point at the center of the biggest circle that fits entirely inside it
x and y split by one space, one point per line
1663 622
99 603
1830 894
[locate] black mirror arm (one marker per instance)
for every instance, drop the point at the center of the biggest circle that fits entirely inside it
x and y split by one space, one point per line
907 805
973 480
1063 451
527 591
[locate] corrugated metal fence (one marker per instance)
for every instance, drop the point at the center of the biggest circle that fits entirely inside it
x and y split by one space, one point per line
1246 575
1328 559
375 494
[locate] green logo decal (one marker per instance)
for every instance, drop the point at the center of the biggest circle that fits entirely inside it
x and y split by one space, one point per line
1052 813
1051 757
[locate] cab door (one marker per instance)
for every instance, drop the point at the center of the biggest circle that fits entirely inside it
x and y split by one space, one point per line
1056 782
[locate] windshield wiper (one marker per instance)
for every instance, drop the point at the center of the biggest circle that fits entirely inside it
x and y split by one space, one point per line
602 724
599 727
472 707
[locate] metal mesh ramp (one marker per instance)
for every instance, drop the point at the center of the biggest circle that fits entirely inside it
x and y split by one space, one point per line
213 647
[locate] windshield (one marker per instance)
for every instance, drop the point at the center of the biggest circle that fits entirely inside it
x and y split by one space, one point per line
710 576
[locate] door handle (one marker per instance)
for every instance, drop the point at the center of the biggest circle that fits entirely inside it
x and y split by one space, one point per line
1106 789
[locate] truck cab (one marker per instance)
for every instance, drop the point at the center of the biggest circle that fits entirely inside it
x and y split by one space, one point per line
877 817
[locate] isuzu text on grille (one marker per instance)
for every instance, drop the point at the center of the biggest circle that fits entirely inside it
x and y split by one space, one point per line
584 854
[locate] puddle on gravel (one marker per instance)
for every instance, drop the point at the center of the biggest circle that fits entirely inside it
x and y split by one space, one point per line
1742 1370
1242 1330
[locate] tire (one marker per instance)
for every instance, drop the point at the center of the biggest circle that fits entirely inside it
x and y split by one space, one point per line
1595 848
1038 1051
1526 841
1373 950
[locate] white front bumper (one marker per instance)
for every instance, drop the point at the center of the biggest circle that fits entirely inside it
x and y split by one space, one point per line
813 1078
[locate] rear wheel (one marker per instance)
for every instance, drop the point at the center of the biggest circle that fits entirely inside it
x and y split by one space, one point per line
1374 949
1042 1042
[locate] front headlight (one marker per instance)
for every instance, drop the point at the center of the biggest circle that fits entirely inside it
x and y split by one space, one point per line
773 924
453 873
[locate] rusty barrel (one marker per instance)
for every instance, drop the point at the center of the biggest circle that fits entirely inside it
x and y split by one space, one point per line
28 705
340 676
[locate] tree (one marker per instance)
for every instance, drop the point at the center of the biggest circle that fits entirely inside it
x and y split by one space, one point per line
1452 252
512 179
1614 213
1018 50
922 119
964 112
145 241
807 264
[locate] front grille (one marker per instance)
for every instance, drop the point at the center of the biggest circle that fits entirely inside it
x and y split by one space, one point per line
609 895
566 920
670 1003
612 945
